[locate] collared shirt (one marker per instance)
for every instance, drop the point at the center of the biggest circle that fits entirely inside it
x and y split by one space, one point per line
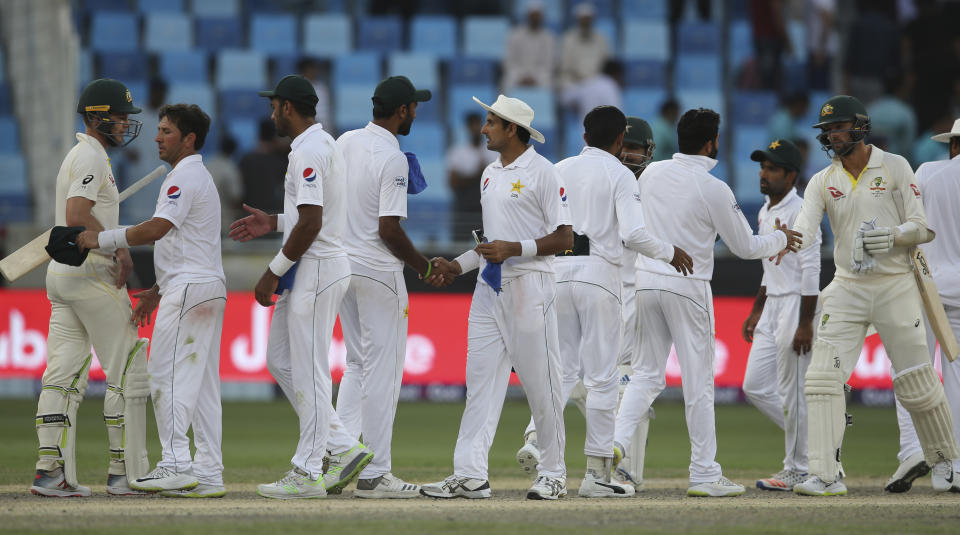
316 175
190 251
377 177
582 58
797 273
940 185
530 54
525 200
849 201
86 172
687 206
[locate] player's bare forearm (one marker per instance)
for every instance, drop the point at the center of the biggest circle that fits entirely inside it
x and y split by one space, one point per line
148 231
759 301
557 241
808 309
304 232
750 324
499 250
803 337
399 244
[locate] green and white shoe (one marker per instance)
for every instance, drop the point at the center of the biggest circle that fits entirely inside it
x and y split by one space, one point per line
200 491
296 484
343 467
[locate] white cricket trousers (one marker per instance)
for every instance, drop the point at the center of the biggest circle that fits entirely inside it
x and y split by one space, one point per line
184 368
590 331
87 308
373 316
517 328
297 357
630 330
909 443
775 373
678 311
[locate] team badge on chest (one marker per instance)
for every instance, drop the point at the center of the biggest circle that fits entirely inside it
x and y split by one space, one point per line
878 187
515 188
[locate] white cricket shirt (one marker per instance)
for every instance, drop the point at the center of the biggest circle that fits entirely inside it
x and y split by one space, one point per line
190 251
940 185
316 176
849 201
86 172
525 200
687 206
377 186
797 273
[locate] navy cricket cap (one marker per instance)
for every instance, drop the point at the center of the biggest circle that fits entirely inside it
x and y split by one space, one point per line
396 91
780 152
295 88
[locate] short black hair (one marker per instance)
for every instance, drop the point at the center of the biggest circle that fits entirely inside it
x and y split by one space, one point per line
303 109
381 110
603 125
696 128
189 119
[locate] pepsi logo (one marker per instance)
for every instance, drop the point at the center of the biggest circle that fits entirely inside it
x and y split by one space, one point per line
486 181
173 192
563 195
309 174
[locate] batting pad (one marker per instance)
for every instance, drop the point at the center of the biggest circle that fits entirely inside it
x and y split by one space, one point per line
825 412
136 389
920 392
57 429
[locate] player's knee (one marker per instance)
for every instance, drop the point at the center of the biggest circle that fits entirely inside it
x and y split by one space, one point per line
919 388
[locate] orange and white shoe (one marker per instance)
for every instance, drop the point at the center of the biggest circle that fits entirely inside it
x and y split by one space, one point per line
782 480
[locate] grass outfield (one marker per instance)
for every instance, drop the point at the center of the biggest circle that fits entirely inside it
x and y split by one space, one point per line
259 439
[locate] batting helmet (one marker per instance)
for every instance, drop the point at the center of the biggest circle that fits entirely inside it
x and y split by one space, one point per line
843 109
104 97
639 134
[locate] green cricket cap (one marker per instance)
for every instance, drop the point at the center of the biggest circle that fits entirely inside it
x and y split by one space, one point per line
638 132
780 152
295 88
396 91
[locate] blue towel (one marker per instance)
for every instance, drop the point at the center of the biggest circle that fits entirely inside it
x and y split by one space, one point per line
491 275
286 281
416 183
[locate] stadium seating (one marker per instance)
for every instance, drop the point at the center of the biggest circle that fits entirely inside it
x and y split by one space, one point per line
698 72
215 33
465 71
199 94
215 8
485 37
14 189
9 136
239 69
165 32
642 102
607 28
694 98
698 38
644 9
352 106
434 34
126 66
380 34
754 108
244 131
460 102
175 6
422 140
421 69
243 104
273 34
645 39
114 31
180 67
357 68
645 73
543 103
6 100
740 43
327 36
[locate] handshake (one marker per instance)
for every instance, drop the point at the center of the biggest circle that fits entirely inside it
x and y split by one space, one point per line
441 272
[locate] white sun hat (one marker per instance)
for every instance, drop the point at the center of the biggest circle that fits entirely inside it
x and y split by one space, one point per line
516 111
945 137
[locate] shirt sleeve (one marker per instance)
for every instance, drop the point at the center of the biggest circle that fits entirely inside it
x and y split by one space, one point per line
87 177
912 199
810 266
176 197
307 173
393 186
733 228
553 199
630 219
811 212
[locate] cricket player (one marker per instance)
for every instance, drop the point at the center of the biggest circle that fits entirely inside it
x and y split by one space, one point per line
872 285
780 326
939 184
189 296
513 315
312 222
375 308
89 305
606 218
684 204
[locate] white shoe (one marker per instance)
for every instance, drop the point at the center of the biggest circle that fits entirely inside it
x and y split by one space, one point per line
117 485
595 487
782 480
343 467
942 477
621 476
52 484
716 489
915 466
528 457
164 479
547 488
386 486
200 491
814 486
454 487
294 485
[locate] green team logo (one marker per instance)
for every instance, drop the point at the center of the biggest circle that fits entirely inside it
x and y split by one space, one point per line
877 182
823 321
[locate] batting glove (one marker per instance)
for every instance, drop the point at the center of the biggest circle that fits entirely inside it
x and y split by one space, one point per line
878 240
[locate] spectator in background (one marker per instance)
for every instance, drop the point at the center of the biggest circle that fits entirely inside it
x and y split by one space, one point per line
584 50
932 52
770 40
466 163
529 55
226 176
892 118
872 49
926 149
602 89
821 42
141 156
788 122
313 71
680 9
263 170
665 130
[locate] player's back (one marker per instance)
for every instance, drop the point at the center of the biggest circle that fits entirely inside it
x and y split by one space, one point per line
939 184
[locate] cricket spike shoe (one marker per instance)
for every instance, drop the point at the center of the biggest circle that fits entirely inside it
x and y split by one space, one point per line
51 484
457 487
782 480
296 484
814 486
909 470
342 468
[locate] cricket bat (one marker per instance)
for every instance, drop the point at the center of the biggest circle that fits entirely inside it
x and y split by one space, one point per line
931 297
33 254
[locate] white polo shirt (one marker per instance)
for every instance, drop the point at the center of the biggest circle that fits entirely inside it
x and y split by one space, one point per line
797 273
190 251
525 200
377 177
940 185
687 206
86 172
606 207
316 176
849 201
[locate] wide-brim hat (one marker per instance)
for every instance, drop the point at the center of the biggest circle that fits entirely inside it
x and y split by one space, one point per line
516 111
947 136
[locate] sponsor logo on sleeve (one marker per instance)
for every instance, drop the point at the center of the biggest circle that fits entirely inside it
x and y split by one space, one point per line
309 174
173 193
736 206
486 182
916 190
835 193
400 181
563 195
87 179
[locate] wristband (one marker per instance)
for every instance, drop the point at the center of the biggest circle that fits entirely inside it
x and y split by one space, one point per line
280 264
429 269
280 222
111 240
468 261
528 248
